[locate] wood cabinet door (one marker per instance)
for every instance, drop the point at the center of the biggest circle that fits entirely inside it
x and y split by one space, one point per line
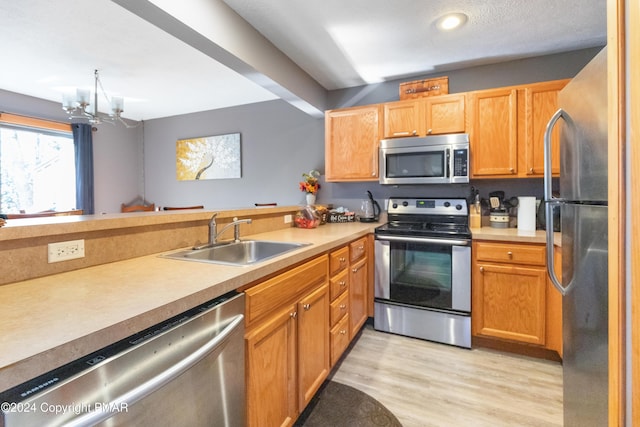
271 371
313 343
358 296
493 133
401 119
339 339
509 302
352 138
541 102
444 114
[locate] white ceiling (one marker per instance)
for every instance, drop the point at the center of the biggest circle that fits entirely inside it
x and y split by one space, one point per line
49 46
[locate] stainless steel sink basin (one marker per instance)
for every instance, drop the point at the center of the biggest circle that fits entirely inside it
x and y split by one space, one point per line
244 252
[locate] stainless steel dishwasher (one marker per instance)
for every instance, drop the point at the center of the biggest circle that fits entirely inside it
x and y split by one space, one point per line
187 371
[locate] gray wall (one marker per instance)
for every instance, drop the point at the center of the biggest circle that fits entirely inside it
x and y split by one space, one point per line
279 143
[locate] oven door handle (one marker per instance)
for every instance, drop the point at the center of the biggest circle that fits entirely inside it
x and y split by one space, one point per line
448 242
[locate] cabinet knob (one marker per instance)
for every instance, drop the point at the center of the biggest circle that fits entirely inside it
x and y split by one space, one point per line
293 314
343 283
354 270
342 260
510 254
511 170
429 131
481 269
415 132
343 332
343 306
306 306
531 170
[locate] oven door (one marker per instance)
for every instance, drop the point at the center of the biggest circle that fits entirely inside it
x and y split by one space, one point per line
424 272
415 165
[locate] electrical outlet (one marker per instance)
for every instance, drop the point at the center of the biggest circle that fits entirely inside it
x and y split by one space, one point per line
288 219
63 251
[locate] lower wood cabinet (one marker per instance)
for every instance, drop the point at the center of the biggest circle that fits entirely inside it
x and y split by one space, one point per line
512 298
298 324
287 343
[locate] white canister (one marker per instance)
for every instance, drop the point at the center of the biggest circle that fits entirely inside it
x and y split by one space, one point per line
527 213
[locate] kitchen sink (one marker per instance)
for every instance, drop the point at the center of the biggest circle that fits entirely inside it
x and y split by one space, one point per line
244 252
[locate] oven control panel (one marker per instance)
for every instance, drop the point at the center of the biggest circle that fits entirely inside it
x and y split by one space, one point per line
428 206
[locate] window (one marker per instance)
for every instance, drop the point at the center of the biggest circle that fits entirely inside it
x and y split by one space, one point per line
37 165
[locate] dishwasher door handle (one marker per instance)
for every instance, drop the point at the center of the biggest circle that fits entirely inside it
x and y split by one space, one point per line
164 377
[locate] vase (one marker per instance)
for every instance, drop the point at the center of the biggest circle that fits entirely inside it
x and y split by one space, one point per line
311 199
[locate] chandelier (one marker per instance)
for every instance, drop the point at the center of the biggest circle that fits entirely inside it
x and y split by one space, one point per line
78 107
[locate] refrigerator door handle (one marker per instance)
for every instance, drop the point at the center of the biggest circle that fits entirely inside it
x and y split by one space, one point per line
548 192
551 267
550 201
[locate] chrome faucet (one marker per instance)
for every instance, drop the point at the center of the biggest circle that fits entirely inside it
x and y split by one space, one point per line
214 234
236 230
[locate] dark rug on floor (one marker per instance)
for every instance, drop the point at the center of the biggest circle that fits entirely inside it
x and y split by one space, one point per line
337 405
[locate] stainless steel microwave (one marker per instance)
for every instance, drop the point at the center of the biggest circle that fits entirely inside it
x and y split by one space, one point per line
438 159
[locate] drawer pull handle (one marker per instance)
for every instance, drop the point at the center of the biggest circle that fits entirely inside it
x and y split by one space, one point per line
342 283
343 306
293 314
342 259
343 332
306 306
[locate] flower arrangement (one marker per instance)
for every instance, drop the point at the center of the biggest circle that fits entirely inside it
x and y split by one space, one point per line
310 185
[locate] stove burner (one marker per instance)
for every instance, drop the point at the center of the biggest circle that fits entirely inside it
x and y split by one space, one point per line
427 217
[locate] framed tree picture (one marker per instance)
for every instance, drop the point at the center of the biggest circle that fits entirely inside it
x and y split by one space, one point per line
209 157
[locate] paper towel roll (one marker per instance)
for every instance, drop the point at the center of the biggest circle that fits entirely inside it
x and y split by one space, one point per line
527 213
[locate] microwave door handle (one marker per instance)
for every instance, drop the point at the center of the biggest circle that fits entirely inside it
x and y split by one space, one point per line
447 154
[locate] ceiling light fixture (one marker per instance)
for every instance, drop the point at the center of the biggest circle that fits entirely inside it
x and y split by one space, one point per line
451 21
76 105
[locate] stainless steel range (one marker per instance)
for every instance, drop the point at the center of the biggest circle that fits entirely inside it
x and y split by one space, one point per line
423 270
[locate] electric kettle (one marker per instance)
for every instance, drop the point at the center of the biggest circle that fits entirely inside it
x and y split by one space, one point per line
370 209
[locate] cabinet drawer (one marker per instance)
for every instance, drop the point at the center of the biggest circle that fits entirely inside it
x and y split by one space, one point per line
338 260
284 288
510 253
339 308
339 284
358 249
339 339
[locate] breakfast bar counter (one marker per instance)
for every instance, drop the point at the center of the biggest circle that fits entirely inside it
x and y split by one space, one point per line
49 321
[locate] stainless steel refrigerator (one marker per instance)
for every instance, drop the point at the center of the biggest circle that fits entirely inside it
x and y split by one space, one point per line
582 119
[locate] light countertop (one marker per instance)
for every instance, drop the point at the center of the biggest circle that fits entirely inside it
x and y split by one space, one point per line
52 320
513 235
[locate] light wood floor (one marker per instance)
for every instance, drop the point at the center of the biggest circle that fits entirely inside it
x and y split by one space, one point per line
428 384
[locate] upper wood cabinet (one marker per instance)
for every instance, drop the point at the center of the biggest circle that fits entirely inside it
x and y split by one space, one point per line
540 103
506 130
426 116
352 138
493 132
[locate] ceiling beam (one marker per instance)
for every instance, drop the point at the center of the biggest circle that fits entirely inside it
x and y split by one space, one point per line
216 30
